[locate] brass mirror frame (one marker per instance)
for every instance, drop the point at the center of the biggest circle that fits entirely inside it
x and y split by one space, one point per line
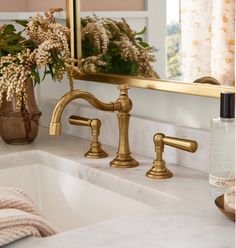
73 22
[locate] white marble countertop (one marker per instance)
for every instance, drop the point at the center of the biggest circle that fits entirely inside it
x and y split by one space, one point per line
189 219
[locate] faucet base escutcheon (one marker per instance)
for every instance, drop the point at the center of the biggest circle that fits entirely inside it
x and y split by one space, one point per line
159 170
95 151
120 162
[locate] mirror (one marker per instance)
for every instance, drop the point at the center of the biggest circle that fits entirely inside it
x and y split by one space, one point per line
180 60
193 45
30 5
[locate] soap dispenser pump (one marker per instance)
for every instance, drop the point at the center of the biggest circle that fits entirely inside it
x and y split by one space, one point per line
222 146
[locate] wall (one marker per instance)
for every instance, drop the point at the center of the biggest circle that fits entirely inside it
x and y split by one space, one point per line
35 5
106 5
86 5
13 5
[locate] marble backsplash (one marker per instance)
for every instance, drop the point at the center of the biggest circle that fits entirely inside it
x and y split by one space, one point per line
141 134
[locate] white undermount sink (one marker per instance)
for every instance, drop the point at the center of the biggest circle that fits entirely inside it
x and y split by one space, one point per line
66 201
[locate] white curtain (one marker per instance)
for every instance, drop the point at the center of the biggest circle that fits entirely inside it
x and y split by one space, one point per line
208 39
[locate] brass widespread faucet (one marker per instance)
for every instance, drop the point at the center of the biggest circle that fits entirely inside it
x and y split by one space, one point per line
122 105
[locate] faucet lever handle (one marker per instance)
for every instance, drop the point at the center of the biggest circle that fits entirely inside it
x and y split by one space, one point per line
159 169
79 121
95 150
183 144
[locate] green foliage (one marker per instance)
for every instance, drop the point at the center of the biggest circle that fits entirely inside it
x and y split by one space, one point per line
116 65
139 39
173 51
88 49
142 32
10 41
56 65
22 22
40 44
35 74
173 29
114 62
13 42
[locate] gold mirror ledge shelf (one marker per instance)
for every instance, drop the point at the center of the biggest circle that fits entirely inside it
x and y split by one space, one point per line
157 84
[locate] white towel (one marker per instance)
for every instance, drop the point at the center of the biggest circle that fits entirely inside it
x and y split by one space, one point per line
19 217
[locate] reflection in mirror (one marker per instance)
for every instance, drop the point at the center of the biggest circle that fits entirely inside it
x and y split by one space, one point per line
208 39
194 38
11 10
173 49
111 46
114 39
30 5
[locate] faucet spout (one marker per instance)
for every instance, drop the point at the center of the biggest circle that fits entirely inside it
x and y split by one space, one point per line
55 125
122 105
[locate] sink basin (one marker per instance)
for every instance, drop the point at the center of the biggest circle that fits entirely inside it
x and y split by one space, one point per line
65 200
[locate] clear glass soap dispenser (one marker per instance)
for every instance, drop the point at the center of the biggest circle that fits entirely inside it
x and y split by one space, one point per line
222 146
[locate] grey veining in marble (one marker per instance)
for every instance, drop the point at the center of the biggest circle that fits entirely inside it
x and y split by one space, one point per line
184 216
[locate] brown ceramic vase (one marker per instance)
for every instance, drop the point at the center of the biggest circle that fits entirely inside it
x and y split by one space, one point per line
20 127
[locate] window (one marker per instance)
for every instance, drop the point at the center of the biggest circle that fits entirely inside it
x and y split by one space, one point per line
173 40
